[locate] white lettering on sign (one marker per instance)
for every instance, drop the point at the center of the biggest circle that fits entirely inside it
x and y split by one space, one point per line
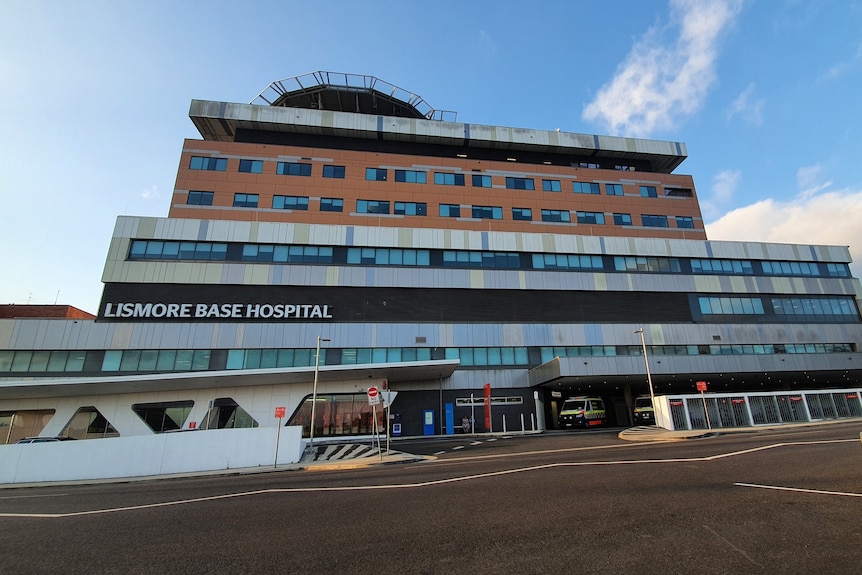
217 311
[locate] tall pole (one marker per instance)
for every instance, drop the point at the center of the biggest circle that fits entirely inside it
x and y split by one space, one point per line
646 363
314 392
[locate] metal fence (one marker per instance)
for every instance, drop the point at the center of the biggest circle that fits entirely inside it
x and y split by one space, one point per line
718 410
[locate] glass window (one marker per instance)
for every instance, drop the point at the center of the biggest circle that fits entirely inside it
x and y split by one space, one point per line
251 166
372 207
520 184
622 219
245 200
293 169
522 214
450 211
591 218
444 179
376 174
209 164
196 198
654 221
333 172
411 209
290 202
551 186
480 181
614 189
331 204
684 222
648 192
488 212
556 216
585 188
410 176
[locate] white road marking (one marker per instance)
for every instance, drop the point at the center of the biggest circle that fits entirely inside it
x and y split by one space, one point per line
457 447
798 490
434 482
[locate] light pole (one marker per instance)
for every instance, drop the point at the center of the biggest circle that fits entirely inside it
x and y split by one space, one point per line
646 363
314 392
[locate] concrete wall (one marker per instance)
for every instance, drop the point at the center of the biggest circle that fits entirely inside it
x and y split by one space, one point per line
162 454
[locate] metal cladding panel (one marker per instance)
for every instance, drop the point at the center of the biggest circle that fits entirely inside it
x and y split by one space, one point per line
194 303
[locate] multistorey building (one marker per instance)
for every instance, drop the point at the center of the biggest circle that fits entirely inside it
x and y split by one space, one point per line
432 259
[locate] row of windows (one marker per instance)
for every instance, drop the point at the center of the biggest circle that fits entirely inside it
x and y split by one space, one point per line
198 198
178 360
781 306
216 251
420 177
549 353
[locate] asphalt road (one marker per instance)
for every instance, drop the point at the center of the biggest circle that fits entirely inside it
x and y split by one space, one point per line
786 501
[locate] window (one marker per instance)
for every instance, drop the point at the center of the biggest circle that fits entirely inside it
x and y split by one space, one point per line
450 211
520 184
210 164
730 305
488 212
481 181
293 169
837 270
290 202
567 262
551 186
678 192
646 264
376 174
331 204
589 165
585 188
161 417
245 200
622 219
410 176
372 207
556 216
200 199
591 218
411 208
251 166
654 221
522 214
614 189
684 222
713 266
388 256
477 260
790 268
649 192
333 172
443 179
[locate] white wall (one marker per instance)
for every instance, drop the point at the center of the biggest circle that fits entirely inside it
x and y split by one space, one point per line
145 455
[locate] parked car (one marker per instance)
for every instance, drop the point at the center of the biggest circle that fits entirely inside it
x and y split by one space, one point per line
43 439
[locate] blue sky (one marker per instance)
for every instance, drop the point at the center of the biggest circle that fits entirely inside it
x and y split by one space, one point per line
94 99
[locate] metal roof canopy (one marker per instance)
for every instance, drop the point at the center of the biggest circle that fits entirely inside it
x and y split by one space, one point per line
75 387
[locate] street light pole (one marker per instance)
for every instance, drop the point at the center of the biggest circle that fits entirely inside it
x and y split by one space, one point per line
646 363
314 392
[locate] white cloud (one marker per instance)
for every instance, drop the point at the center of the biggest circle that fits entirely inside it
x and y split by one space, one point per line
724 185
808 180
747 107
151 193
830 218
656 84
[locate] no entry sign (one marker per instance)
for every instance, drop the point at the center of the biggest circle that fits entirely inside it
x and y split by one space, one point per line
373 396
